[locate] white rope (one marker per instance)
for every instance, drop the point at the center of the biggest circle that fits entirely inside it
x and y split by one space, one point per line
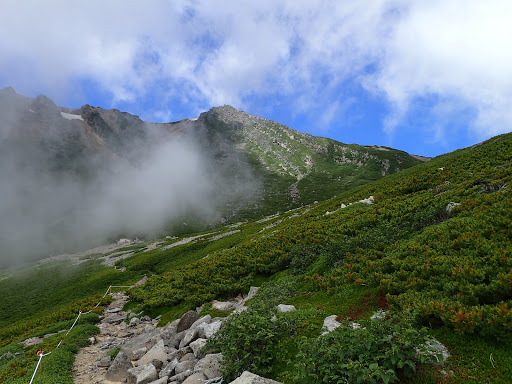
79 314
37 366
41 354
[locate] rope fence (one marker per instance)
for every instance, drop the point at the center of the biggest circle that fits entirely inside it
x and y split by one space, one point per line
41 354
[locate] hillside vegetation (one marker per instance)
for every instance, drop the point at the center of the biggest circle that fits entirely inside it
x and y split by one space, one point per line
434 248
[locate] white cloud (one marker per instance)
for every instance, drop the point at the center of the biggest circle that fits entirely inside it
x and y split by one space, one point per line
212 53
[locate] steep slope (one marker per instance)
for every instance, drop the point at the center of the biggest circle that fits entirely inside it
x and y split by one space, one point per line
295 168
68 166
434 238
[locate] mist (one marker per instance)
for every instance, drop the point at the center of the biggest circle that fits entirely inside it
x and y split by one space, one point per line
51 204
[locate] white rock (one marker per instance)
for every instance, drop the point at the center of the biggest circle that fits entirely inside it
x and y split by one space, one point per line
197 345
157 352
190 335
250 378
330 324
210 365
142 375
208 330
168 370
224 305
195 378
285 308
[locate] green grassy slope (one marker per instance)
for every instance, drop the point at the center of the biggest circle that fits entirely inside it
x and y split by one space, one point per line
453 269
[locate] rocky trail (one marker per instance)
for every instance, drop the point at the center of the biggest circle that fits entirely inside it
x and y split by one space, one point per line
156 355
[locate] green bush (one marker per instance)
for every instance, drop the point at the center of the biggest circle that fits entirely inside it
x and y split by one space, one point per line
377 352
248 342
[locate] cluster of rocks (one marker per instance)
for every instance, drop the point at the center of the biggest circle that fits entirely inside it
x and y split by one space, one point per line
157 355
171 354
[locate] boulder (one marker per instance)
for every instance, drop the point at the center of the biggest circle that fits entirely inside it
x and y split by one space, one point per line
188 357
169 332
180 377
206 331
195 378
197 345
157 363
134 321
168 370
180 353
138 353
32 341
330 324
137 342
186 321
178 337
118 370
142 375
115 319
250 378
203 320
162 380
285 308
187 365
224 305
191 335
104 361
157 352
210 365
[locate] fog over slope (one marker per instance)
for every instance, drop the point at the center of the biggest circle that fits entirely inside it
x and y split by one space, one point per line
74 178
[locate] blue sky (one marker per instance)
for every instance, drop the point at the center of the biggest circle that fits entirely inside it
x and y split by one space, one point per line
424 76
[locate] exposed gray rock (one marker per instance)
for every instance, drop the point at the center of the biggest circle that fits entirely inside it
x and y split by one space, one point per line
32 341
169 332
210 365
186 321
157 363
118 370
197 345
206 331
195 378
224 305
330 324
190 335
134 321
138 353
145 318
104 361
250 378
181 376
115 319
188 357
185 366
168 370
142 375
162 380
178 337
137 342
203 320
285 308
157 352
180 353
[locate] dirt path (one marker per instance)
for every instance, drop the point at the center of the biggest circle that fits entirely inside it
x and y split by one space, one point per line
85 368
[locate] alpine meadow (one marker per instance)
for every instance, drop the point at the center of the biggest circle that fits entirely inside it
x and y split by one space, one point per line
298 258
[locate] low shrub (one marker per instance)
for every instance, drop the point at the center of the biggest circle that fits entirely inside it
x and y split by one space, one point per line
377 352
